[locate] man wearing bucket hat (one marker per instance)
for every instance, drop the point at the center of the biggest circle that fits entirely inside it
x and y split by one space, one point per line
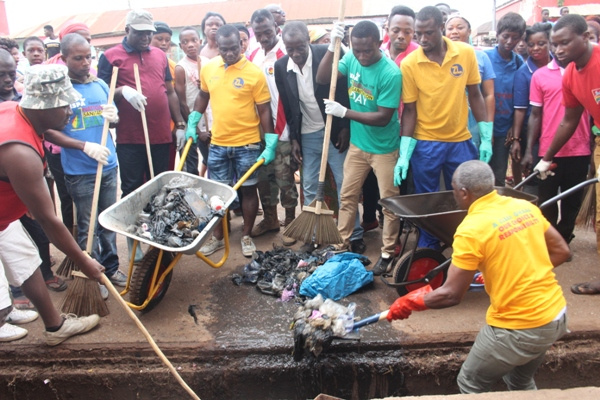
45 105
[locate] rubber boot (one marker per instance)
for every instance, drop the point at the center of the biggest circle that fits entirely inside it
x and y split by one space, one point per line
290 215
270 222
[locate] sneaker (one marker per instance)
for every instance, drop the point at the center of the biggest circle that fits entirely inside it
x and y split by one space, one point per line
10 332
265 226
248 246
358 246
383 265
212 245
71 326
118 279
103 292
19 317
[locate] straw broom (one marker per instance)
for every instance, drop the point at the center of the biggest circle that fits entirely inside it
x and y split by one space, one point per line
83 295
586 218
316 220
67 265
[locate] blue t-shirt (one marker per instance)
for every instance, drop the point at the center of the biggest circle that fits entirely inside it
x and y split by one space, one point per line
503 89
86 125
522 84
378 85
486 71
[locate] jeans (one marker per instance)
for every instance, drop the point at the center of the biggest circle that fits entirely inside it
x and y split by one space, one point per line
133 164
81 188
225 163
66 203
312 150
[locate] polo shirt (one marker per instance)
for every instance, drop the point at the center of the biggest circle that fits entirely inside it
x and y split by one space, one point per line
582 87
234 92
440 91
312 119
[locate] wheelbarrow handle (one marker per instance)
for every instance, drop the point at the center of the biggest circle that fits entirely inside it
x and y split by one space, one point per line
371 320
248 173
569 192
531 176
184 154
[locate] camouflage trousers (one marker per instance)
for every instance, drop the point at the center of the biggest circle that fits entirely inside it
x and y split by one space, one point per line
278 177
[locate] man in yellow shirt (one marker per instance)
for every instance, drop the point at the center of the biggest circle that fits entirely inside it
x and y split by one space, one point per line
240 101
516 250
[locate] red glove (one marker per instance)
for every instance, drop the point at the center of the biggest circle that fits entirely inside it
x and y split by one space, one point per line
404 306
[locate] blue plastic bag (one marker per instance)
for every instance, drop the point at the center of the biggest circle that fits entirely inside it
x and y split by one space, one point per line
340 276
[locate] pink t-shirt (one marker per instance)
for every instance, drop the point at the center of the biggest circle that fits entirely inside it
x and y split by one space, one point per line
546 92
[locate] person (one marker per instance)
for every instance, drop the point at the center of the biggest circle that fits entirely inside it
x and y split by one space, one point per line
278 16
45 105
564 11
302 97
580 83
401 30
546 16
511 28
277 179
516 250
75 27
537 39
521 49
594 29
34 51
52 42
157 100
374 85
319 36
445 10
234 84
11 316
244 37
435 138
12 47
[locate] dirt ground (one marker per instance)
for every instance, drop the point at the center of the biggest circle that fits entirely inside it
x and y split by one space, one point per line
241 344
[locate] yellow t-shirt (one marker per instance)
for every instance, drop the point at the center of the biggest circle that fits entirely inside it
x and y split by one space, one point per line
503 237
440 91
234 92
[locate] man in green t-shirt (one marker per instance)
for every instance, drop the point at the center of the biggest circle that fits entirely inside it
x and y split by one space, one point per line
374 87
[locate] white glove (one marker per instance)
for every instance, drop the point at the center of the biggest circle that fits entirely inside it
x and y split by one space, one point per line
97 152
180 138
110 113
135 98
337 31
335 108
544 168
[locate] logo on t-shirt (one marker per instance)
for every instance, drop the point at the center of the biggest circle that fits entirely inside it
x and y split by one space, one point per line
238 83
596 93
270 71
456 70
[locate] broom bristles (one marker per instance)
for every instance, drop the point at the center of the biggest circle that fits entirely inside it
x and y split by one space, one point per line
309 227
83 298
586 218
66 267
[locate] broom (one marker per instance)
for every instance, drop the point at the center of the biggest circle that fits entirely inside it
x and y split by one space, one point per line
67 265
315 222
586 218
83 295
138 87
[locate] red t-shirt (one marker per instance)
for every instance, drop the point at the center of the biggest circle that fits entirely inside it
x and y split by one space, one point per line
16 128
582 87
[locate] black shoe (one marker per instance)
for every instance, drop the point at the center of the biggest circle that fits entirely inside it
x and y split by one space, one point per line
358 246
382 266
308 247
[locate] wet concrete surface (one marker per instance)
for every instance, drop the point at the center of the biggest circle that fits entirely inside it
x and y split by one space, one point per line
240 347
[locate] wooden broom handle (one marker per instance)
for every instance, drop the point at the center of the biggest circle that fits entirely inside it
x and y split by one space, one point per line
111 95
329 120
138 87
106 282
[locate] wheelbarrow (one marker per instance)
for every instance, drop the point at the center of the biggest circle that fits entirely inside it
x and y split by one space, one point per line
147 283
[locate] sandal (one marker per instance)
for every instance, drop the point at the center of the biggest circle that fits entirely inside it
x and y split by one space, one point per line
585 288
23 303
56 284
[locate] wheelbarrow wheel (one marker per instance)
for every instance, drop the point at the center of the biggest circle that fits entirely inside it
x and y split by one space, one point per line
142 279
423 261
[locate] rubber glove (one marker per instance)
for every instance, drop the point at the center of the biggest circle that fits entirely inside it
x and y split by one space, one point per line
97 152
334 108
193 120
337 31
135 98
405 305
180 138
268 153
110 112
544 168
407 146
486 130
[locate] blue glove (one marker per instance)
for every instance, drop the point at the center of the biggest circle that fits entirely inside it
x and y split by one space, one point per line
192 124
486 129
268 153
407 146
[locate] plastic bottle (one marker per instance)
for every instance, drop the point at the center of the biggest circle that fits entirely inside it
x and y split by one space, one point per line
216 203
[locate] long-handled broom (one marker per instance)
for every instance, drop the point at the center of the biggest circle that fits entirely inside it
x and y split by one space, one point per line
138 85
315 222
83 295
586 218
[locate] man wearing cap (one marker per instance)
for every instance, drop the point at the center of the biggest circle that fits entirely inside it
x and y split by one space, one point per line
45 105
157 99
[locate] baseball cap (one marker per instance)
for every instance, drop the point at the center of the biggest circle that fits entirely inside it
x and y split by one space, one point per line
140 20
162 27
48 86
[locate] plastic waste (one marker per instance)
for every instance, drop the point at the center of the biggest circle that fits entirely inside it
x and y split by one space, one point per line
216 203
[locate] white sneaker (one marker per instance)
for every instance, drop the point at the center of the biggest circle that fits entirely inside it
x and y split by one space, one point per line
212 245
19 317
72 326
103 291
10 332
248 246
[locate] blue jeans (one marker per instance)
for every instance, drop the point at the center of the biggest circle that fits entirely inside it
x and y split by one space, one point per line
81 189
225 163
312 149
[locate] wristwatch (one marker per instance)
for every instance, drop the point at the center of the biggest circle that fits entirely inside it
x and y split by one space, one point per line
180 125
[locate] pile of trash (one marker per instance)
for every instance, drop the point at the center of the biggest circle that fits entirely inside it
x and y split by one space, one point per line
176 215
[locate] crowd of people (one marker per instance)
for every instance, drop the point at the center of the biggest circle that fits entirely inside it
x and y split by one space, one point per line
416 110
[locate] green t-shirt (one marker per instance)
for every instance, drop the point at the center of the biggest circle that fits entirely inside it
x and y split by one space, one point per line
378 85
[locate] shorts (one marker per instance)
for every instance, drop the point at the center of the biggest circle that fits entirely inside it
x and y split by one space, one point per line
228 164
18 253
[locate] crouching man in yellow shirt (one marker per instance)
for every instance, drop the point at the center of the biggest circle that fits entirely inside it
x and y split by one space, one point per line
516 250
